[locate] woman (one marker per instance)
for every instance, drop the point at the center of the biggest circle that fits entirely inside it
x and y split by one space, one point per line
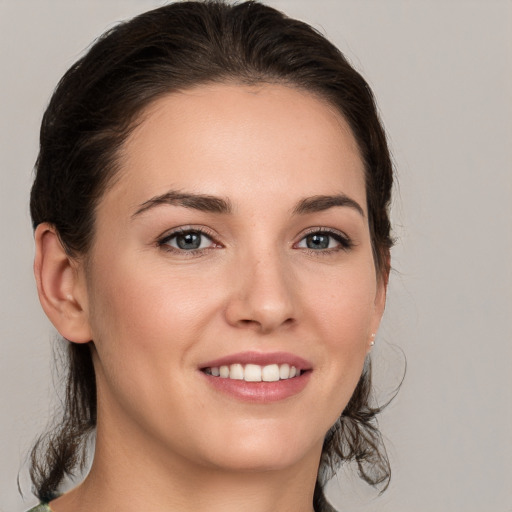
212 238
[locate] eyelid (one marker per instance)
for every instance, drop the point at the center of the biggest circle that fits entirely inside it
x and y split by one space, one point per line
163 239
344 240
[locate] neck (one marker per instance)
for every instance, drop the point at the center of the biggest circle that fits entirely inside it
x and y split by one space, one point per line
130 473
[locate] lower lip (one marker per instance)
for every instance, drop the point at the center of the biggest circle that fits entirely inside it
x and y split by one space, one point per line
261 392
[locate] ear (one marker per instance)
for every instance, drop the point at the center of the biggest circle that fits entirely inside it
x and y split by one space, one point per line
61 286
382 283
380 300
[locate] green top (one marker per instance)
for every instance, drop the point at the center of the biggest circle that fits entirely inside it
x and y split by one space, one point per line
42 507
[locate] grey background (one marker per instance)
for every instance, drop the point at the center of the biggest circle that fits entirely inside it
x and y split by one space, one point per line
442 74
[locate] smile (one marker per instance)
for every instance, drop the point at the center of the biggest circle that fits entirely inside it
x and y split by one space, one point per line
258 377
254 372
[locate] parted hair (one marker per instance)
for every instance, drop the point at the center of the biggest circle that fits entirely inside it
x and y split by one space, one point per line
98 103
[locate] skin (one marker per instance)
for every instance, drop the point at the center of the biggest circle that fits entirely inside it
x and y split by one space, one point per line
156 313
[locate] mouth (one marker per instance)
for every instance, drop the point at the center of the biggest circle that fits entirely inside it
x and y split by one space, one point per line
254 372
257 377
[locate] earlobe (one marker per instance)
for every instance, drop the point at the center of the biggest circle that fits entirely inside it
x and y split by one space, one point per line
60 286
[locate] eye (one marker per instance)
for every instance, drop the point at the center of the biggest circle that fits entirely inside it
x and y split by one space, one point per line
325 240
188 240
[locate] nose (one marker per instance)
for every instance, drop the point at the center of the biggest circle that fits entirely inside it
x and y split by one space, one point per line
264 295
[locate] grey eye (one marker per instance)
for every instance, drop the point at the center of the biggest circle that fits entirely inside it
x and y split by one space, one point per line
322 240
317 241
189 241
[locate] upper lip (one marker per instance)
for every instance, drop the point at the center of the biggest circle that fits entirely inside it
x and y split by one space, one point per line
259 358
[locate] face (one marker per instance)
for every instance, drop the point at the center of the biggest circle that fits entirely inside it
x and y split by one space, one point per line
234 242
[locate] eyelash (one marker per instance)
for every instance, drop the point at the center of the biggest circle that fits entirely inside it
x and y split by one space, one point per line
345 243
163 242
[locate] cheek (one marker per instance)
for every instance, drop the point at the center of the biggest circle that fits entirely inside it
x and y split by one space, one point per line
139 300
146 320
346 308
345 314
143 330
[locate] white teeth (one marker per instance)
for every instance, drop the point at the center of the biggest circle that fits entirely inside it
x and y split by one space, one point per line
270 373
284 371
236 371
254 372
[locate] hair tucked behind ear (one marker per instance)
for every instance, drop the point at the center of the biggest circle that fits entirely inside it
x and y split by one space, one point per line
97 104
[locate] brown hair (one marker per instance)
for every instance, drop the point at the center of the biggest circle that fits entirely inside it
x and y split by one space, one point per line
95 107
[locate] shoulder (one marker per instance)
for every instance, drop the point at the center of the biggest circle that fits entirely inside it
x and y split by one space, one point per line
42 507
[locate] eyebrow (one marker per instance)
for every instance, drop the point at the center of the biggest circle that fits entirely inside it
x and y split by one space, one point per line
321 203
214 204
202 202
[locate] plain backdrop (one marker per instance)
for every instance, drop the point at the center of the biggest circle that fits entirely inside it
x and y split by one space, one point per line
442 75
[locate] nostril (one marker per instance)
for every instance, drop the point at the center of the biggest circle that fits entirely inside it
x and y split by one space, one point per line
246 322
252 325
260 310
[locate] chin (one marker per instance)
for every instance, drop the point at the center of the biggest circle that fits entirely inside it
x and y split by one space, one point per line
243 462
273 452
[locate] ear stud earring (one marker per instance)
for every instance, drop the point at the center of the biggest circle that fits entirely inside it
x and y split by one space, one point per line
372 342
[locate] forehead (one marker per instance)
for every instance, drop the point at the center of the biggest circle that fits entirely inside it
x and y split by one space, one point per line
239 141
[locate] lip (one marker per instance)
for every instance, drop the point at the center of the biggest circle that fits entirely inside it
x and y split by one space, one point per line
260 358
259 392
